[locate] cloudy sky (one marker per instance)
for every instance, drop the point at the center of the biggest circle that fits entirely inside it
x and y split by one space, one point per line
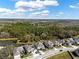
38 9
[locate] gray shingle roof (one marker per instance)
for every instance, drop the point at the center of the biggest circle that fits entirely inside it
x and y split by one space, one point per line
28 48
39 45
48 44
18 50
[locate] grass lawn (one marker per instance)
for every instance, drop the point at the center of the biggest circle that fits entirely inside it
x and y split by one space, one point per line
64 55
8 39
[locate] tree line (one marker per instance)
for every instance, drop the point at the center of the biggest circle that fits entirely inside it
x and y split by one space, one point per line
30 32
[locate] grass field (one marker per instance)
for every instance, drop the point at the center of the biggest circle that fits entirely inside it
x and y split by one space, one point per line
7 39
64 55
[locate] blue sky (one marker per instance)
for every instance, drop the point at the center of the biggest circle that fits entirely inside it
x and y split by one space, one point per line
39 9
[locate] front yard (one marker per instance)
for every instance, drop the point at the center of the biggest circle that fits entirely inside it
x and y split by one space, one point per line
64 55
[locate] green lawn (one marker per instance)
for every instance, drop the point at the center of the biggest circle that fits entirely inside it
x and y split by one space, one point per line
64 55
7 39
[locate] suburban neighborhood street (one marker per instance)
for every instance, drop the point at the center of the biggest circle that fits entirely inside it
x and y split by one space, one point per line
60 47
54 52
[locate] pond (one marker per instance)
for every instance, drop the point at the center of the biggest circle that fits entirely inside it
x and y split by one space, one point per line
7 43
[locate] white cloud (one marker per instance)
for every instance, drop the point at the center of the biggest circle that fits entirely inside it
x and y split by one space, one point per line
46 14
41 12
71 6
4 10
30 4
36 4
74 6
61 13
77 3
12 14
20 10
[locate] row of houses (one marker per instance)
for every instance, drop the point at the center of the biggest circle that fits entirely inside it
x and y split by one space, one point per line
43 45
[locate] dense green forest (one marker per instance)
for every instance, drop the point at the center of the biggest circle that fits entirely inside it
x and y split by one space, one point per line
33 32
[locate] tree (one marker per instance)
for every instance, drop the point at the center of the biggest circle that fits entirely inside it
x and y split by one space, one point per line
4 35
43 36
7 53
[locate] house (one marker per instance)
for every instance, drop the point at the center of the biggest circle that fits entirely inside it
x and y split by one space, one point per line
39 45
19 49
76 52
72 41
17 55
17 52
28 48
60 42
76 40
56 43
67 43
22 49
48 44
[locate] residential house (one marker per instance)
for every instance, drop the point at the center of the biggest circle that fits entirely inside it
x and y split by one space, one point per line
56 43
76 40
60 42
17 52
28 48
72 41
48 44
39 45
